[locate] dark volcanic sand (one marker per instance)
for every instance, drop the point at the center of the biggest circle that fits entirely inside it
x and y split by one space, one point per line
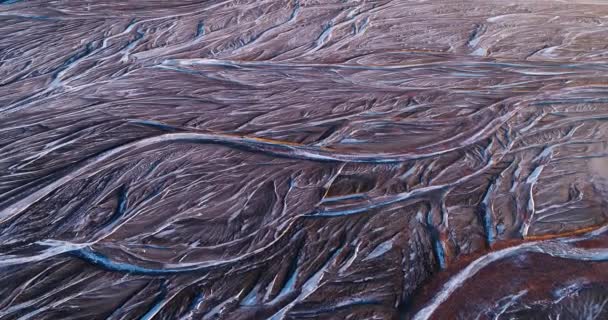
299 159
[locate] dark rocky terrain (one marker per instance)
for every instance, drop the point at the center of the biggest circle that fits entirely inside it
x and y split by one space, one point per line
295 159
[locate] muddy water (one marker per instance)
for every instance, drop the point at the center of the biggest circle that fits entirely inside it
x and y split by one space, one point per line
303 159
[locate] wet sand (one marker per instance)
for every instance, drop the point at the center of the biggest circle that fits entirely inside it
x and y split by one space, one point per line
303 159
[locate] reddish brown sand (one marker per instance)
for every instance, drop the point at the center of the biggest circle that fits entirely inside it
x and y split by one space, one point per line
294 159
